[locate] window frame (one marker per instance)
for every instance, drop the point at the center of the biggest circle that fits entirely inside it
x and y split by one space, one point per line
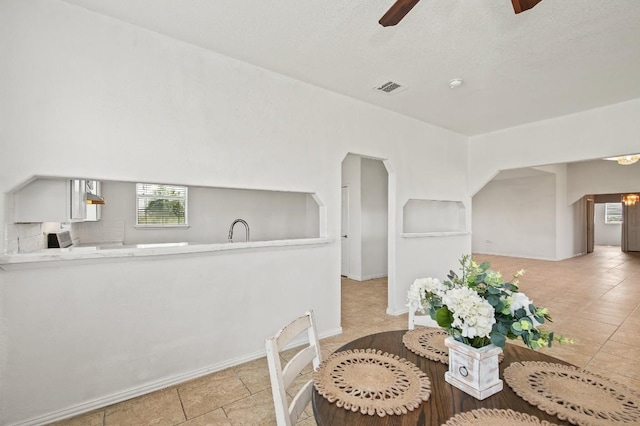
140 195
607 214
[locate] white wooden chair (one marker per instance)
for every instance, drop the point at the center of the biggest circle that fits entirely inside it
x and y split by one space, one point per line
281 378
423 320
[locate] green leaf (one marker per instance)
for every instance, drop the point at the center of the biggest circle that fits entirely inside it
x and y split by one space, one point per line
494 290
526 323
501 328
516 328
443 317
510 287
484 266
493 300
498 339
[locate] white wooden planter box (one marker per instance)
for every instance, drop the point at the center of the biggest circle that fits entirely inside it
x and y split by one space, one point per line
473 370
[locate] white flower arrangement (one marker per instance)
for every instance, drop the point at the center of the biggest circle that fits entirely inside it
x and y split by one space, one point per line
417 296
472 314
481 308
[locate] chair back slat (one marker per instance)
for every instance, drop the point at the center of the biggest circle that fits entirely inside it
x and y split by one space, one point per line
300 401
282 377
292 330
297 364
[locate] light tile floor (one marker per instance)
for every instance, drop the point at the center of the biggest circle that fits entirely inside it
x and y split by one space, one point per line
595 299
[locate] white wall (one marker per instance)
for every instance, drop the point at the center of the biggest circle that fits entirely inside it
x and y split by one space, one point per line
430 216
90 334
516 217
271 215
439 180
602 177
608 234
83 95
374 202
593 134
572 182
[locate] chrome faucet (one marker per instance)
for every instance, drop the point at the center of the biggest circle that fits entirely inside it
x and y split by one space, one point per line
246 227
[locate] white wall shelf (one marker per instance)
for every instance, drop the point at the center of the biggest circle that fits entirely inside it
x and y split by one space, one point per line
433 234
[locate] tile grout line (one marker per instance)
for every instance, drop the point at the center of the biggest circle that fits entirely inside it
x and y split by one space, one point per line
184 412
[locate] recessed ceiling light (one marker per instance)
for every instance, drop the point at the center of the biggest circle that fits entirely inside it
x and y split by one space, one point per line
455 83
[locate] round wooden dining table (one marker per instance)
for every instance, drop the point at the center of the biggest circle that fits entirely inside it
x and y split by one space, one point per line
445 401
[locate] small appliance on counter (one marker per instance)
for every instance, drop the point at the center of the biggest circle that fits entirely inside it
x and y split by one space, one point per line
60 239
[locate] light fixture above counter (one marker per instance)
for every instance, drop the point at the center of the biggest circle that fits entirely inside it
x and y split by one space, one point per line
630 199
625 160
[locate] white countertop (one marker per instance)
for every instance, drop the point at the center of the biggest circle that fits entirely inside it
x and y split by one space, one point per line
111 251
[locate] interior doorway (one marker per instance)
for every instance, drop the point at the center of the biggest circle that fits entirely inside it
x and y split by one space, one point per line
365 206
612 223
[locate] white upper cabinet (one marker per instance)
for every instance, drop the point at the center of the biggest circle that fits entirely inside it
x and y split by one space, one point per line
51 200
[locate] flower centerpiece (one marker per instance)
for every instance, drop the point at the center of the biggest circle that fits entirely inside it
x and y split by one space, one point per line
480 311
479 308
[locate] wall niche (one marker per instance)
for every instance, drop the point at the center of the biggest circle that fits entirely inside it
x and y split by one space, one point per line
433 218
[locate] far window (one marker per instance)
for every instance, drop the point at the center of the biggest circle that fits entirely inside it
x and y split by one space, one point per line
613 213
161 205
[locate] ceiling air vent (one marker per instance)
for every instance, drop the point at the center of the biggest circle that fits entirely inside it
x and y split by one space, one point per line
390 87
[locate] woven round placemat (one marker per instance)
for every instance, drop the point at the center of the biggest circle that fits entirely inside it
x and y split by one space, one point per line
429 343
372 382
495 417
572 394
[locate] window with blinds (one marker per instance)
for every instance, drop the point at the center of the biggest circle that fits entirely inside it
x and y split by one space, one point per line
161 205
613 213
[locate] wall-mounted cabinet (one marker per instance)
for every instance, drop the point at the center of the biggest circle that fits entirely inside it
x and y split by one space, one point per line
51 200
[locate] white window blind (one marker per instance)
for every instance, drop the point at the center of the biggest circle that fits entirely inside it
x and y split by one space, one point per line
161 205
612 213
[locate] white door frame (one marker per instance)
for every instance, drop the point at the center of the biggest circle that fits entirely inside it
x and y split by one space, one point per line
344 233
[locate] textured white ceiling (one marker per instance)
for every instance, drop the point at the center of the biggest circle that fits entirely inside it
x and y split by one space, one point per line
561 57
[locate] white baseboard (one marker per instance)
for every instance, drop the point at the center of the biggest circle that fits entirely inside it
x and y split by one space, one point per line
523 256
397 312
95 404
366 277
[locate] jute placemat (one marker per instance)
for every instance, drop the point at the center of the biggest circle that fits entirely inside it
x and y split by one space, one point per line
372 382
495 417
429 343
572 394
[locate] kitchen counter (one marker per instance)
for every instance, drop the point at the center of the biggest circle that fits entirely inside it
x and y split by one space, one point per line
53 257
